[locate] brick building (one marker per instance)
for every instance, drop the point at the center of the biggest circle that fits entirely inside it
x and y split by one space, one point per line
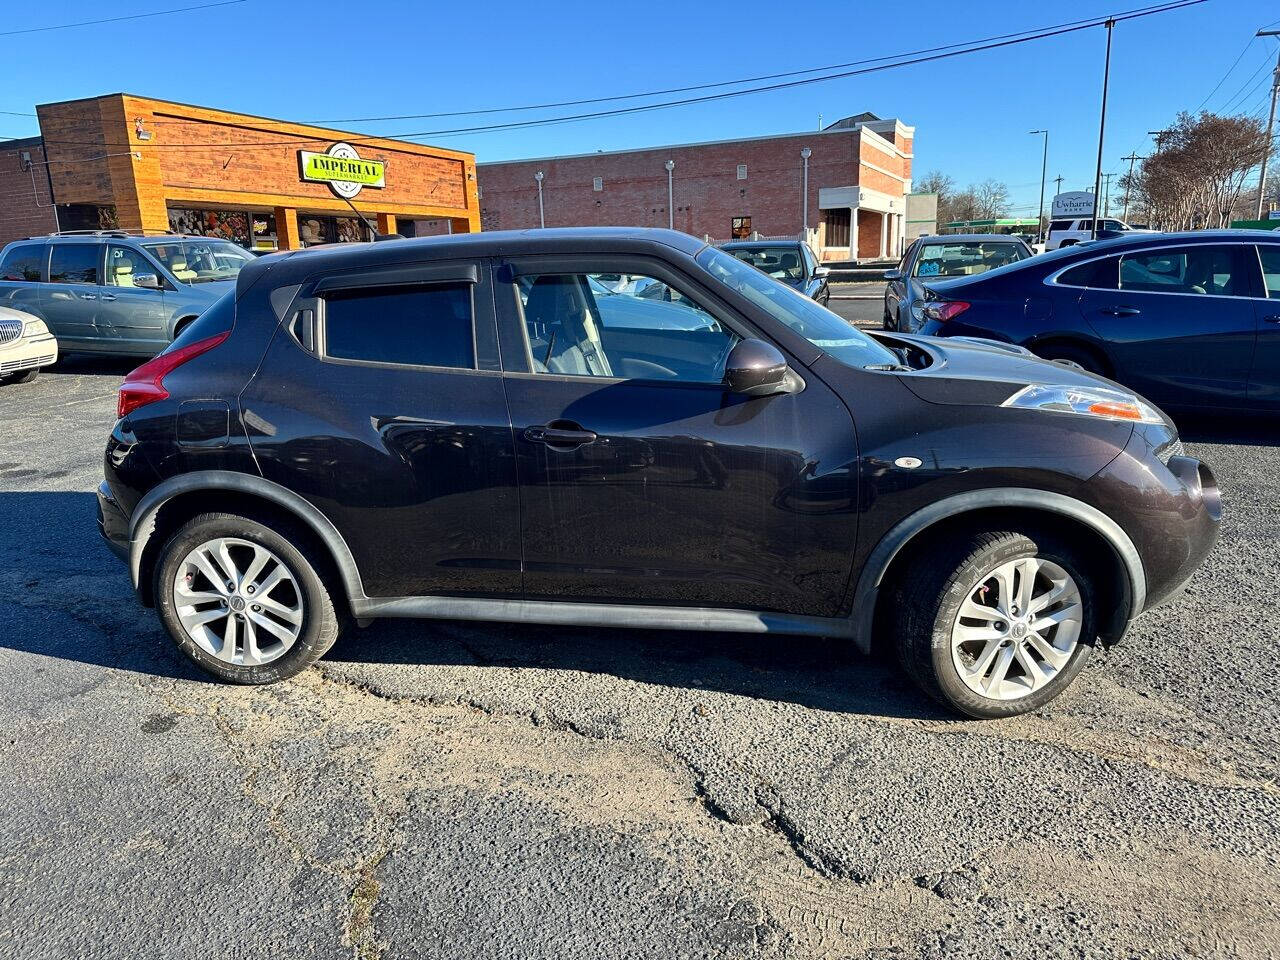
127 162
859 171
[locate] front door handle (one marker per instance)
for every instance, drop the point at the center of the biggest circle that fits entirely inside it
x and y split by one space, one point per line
88 296
559 433
1120 311
109 296
1274 318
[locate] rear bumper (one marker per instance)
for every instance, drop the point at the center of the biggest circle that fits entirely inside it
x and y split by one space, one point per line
112 523
28 355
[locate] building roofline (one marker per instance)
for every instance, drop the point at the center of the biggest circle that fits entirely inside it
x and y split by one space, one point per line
681 146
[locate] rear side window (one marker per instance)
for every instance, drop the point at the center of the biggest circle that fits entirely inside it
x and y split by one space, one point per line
1100 274
23 262
1270 257
1195 270
428 325
1060 225
74 263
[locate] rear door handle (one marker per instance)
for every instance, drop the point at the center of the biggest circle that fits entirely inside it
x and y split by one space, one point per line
1274 318
1120 311
109 296
559 433
88 296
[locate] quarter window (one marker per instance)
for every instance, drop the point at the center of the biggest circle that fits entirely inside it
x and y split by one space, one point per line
422 325
74 263
1099 274
24 262
625 325
1194 270
1270 257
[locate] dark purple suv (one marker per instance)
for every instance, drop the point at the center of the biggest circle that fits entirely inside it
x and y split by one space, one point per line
510 426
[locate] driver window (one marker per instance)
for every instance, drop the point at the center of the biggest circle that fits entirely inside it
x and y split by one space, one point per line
626 325
123 265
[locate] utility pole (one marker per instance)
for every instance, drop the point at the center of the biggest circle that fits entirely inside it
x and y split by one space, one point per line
1044 165
1131 158
1106 194
1058 184
1159 135
1271 122
1102 127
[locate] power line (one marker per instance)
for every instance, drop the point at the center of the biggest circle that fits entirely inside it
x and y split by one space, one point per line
1266 65
975 47
1235 64
132 16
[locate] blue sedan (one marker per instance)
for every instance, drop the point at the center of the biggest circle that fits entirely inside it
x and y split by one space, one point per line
1190 320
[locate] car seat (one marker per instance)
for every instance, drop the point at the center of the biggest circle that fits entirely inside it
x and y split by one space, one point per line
554 304
180 270
122 273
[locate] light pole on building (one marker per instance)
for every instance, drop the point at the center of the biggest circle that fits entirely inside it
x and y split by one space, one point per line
542 218
805 154
671 209
1271 122
1044 167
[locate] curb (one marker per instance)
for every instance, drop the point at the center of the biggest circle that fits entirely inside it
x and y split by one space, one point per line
857 297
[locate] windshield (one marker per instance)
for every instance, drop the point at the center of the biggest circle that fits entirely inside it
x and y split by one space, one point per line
201 261
965 259
816 324
781 263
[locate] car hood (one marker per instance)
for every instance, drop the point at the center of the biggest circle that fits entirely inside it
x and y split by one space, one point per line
969 370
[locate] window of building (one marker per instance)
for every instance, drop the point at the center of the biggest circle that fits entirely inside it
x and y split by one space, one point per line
742 171
1197 270
625 325
74 263
24 262
837 222
740 228
426 326
597 184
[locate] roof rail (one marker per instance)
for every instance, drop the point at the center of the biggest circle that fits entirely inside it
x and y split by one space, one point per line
113 233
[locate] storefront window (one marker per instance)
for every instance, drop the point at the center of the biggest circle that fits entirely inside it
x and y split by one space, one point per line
228 224
315 228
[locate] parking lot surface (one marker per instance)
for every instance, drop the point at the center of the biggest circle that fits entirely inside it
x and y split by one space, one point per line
481 790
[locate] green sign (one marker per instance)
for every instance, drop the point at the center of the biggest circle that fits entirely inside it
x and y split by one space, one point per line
342 169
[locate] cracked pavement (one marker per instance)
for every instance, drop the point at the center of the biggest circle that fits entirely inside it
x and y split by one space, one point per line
479 790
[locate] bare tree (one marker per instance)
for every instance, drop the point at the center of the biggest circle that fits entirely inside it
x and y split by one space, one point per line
984 201
992 198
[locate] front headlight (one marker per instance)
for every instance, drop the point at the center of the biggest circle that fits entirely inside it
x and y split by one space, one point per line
1087 401
34 328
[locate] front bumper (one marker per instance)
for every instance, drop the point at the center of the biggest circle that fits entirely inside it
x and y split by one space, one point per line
28 354
112 523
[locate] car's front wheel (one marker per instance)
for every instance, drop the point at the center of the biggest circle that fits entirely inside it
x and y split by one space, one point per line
243 599
26 376
996 623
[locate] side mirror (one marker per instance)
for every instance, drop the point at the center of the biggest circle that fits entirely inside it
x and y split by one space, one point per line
821 271
894 274
148 281
758 369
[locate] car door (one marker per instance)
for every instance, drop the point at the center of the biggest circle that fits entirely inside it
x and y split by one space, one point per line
897 289
380 400
641 479
133 317
816 287
1264 378
69 301
1178 322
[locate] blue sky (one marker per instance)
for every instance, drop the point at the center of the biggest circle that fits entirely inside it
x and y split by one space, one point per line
334 59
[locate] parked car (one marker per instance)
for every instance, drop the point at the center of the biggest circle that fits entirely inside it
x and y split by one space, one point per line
932 258
26 345
1190 320
452 427
109 291
1065 233
792 262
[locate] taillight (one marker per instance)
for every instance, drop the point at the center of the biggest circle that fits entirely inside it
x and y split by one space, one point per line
146 384
944 310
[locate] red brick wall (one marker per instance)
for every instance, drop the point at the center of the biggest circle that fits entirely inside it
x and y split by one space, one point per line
708 194
869 227
24 207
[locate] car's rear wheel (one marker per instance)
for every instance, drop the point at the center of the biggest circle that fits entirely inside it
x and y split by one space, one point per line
887 322
996 623
244 600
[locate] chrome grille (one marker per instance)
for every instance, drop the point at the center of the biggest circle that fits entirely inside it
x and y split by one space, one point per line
12 365
10 329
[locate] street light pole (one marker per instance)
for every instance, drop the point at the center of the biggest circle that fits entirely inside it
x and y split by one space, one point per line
671 208
1044 166
1271 121
542 219
1102 128
805 154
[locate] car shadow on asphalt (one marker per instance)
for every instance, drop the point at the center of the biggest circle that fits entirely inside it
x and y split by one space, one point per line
79 607
1256 430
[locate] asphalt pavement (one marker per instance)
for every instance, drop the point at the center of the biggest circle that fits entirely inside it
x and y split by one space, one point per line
491 790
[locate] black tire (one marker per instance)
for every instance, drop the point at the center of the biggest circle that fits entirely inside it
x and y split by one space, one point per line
321 620
926 602
1083 357
888 322
26 376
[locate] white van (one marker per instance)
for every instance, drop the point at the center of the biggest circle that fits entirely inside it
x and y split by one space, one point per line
1065 233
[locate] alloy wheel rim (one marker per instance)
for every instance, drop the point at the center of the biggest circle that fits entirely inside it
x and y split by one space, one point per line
1017 629
238 601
